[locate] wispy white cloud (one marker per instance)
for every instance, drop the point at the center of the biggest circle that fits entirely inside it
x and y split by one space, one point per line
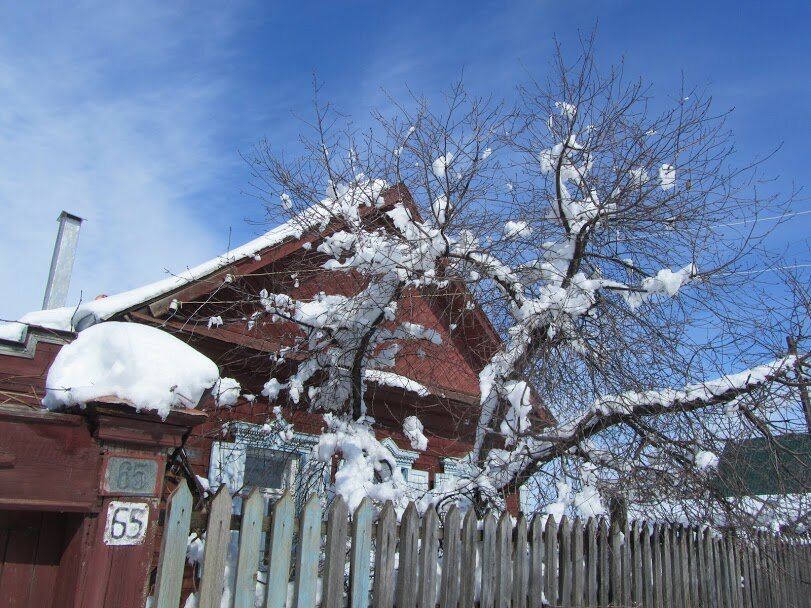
104 113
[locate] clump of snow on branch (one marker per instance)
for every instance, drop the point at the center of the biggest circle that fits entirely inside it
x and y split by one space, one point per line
441 164
413 430
558 508
226 392
587 502
705 459
368 468
513 229
138 364
665 282
667 177
515 420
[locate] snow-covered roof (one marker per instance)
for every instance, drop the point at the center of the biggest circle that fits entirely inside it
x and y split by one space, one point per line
136 364
83 315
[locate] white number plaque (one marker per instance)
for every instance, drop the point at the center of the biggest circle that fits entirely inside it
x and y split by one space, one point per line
126 523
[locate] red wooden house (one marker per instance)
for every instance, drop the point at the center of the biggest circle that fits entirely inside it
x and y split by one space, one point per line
206 307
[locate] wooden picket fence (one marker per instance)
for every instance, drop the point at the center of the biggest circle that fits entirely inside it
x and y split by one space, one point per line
496 562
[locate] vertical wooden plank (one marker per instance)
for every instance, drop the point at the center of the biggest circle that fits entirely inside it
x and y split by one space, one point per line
734 547
667 571
488 592
722 575
551 560
407 571
280 548
604 568
218 533
470 542
428 559
684 567
536 581
359 581
307 556
451 559
692 554
746 583
656 565
591 562
520 564
675 564
627 576
504 532
636 550
385 546
616 565
647 564
173 548
704 562
578 573
565 562
18 563
332 594
250 539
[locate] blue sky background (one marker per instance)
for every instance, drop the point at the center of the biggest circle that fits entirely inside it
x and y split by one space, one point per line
132 115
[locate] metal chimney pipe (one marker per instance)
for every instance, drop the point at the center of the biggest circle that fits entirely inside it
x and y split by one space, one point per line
56 293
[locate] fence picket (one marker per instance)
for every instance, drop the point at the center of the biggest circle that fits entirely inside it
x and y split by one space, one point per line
603 569
218 534
169 579
551 560
332 595
520 564
647 564
451 560
250 539
281 543
565 562
536 564
487 597
361 555
616 565
577 563
467 577
407 571
428 559
385 545
591 562
504 533
309 550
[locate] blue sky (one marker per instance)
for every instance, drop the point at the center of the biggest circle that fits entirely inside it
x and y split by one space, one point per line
133 115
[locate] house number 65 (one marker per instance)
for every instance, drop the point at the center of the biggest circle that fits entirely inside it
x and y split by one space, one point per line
126 523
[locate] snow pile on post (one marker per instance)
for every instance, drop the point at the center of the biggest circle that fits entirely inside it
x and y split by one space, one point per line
142 365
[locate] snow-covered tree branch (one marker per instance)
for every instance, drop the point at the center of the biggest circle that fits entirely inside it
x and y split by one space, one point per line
599 230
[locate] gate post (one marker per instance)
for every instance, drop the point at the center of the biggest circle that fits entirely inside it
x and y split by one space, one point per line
121 537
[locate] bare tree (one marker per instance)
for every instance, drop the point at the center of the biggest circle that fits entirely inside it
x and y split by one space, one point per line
609 238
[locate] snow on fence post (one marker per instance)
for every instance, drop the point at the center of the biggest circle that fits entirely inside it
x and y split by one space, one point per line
332 595
169 582
281 543
218 533
385 545
250 538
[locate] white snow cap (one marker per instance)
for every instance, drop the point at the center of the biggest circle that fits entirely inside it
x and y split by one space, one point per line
148 367
226 392
441 164
412 427
706 460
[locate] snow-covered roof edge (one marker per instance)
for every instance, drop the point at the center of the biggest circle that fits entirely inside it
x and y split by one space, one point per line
85 314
